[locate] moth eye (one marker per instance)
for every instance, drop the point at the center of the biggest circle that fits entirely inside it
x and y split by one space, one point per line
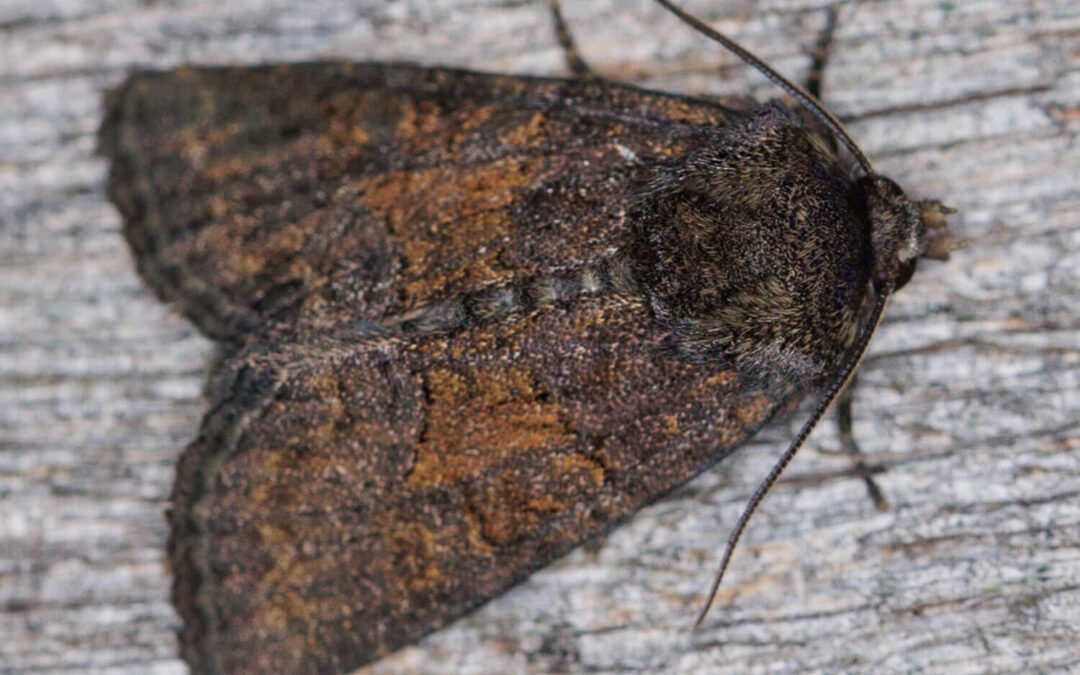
905 272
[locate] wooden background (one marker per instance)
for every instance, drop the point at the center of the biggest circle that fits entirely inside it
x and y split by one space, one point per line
970 401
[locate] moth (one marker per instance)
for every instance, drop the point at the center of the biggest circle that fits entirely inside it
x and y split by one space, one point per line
470 320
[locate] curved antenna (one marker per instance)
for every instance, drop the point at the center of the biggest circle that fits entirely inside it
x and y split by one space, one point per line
793 90
837 385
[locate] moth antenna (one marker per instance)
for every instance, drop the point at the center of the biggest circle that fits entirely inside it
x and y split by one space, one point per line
835 387
807 100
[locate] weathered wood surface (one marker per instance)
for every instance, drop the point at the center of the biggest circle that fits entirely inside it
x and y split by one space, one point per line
970 400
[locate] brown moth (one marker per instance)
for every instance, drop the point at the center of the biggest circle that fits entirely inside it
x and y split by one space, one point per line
472 320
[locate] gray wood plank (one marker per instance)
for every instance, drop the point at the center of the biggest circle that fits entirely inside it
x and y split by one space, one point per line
969 399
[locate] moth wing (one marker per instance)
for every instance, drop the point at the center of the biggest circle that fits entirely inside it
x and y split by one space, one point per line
345 498
272 193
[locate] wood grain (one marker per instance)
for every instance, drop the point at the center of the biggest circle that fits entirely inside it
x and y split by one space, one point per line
969 402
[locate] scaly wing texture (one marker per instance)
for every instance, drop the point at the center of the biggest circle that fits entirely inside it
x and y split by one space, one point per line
247 190
344 499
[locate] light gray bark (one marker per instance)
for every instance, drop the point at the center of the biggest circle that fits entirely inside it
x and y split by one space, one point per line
969 400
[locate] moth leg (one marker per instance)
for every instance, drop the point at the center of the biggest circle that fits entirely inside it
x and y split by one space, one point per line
576 64
847 440
820 55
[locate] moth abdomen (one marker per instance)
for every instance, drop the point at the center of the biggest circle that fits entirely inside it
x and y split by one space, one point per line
499 302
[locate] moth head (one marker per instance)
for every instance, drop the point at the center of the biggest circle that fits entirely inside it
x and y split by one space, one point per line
902 230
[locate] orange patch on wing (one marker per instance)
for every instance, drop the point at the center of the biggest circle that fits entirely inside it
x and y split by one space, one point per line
473 273
514 504
442 215
722 380
477 419
526 134
421 117
242 167
446 200
752 411
194 142
415 549
226 168
423 126
579 462
508 509
671 424
274 250
280 605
